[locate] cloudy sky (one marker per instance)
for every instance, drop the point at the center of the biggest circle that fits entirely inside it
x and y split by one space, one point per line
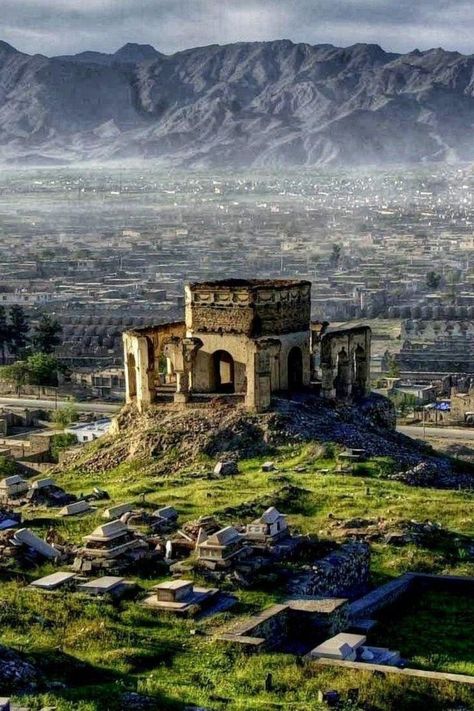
66 26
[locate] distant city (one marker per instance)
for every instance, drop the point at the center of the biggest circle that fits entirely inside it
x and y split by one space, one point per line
117 245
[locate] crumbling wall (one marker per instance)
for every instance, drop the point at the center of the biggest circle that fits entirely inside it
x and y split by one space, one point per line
251 308
142 350
344 572
345 362
461 403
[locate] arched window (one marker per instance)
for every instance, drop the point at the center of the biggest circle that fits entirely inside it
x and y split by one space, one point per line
295 369
224 372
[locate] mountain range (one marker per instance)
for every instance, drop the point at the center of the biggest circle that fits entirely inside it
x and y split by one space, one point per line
259 104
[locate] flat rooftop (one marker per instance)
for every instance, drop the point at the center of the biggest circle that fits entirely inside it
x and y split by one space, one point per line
248 283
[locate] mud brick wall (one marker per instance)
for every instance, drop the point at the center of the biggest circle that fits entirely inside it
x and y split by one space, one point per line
252 310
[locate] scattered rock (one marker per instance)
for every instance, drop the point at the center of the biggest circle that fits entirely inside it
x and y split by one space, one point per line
16 673
137 702
226 468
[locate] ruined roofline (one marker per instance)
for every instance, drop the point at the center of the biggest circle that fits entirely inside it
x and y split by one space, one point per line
143 330
333 331
250 284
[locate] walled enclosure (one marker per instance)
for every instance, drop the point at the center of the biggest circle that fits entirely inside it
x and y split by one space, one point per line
245 338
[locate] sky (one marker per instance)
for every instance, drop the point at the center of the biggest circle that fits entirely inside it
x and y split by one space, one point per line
54 27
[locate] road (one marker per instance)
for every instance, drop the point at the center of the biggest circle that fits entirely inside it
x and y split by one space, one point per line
455 433
104 408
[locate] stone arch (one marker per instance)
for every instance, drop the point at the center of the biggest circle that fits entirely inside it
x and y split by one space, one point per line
132 376
224 372
360 371
295 369
342 381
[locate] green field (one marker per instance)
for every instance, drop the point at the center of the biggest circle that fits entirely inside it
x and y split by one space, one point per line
98 649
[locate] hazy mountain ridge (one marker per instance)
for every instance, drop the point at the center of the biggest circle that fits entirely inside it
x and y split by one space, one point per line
263 103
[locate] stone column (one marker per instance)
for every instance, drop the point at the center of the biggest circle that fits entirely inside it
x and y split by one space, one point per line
327 370
344 372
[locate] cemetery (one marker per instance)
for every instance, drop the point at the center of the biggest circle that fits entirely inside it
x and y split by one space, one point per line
276 563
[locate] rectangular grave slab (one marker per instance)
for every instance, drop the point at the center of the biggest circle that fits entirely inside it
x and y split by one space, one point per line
114 512
75 508
53 581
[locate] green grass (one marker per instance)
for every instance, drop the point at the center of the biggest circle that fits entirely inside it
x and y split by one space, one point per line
434 631
99 648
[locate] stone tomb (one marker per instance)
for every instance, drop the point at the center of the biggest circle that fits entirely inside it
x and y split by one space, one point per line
30 540
342 646
244 339
115 512
13 487
45 492
106 585
78 507
180 597
269 527
111 545
221 547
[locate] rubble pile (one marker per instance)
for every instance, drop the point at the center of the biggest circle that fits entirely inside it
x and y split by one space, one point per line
428 534
46 492
206 524
435 474
17 674
223 430
343 572
8 550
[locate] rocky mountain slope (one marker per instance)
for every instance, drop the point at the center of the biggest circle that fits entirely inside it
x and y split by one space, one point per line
246 104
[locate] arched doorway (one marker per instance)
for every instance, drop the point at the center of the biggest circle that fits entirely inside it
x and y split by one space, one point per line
131 376
342 381
224 372
361 372
295 369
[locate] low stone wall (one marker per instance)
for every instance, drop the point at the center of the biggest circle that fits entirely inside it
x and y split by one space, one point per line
383 670
391 592
268 628
344 572
296 620
381 597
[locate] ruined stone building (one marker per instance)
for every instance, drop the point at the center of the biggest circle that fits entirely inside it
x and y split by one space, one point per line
245 339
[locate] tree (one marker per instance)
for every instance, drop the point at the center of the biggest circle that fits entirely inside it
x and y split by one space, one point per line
4 333
65 415
17 374
37 369
42 369
433 280
393 369
47 334
7 467
336 255
60 442
18 330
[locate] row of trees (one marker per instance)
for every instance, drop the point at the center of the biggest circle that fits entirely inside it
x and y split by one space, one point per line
17 338
35 369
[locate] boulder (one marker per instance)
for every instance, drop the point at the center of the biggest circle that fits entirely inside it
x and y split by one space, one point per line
226 468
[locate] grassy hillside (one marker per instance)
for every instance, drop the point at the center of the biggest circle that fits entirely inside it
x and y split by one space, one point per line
99 649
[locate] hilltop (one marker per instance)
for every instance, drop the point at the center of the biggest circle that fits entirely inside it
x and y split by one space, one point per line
250 104
164 440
